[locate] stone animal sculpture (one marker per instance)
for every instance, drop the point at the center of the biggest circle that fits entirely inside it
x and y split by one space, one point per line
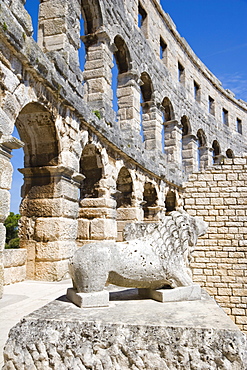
152 255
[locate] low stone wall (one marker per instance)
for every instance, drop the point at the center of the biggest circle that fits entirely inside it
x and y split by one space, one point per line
14 261
219 195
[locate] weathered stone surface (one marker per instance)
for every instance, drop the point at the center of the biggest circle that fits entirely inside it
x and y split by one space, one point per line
14 274
14 257
129 334
4 204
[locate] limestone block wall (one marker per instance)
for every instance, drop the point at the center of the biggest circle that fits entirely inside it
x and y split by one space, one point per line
219 195
14 261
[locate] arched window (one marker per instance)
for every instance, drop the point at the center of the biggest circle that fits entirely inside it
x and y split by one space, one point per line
150 198
167 108
146 101
169 141
229 153
201 147
121 65
124 188
170 201
186 152
91 168
216 151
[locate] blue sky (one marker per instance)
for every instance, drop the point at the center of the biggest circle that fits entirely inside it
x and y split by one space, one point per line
217 32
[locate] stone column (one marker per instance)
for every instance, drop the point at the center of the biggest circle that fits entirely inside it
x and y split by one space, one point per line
59 29
128 94
7 143
189 153
173 139
152 126
205 157
49 212
97 220
97 73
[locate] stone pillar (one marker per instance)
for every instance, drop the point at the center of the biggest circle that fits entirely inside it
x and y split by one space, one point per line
49 212
128 94
152 126
205 157
189 153
7 143
97 220
173 141
59 29
97 73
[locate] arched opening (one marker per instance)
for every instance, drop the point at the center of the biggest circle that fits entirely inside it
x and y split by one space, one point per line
124 188
45 197
150 198
167 108
229 153
37 130
186 143
92 15
145 104
91 167
170 201
201 149
171 132
121 78
216 152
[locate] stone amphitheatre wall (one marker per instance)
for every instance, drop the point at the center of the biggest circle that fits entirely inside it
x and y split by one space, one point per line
87 169
219 195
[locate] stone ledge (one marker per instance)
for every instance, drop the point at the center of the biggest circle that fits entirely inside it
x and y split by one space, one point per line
129 334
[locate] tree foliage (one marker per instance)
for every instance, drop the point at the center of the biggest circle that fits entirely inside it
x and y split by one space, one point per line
11 224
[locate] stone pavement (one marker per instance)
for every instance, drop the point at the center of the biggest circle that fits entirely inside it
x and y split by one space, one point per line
21 299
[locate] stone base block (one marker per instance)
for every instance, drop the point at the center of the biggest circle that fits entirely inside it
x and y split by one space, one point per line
188 293
86 300
129 334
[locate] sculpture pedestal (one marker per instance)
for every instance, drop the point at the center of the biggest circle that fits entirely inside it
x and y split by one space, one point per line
131 333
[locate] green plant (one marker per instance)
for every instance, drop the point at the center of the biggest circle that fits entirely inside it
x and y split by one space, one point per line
11 224
97 114
5 27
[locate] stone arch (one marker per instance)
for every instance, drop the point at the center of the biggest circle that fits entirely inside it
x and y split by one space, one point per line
50 191
167 109
230 153
216 152
170 201
187 145
91 166
203 153
122 55
150 198
124 86
92 15
124 188
171 132
186 127
37 130
150 130
146 89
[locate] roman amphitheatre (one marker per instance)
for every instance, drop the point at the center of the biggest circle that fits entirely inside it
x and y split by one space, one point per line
177 139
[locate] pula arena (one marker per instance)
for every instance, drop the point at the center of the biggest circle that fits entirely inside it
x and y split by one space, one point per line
175 139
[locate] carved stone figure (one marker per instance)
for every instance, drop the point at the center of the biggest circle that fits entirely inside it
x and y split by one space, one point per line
152 255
